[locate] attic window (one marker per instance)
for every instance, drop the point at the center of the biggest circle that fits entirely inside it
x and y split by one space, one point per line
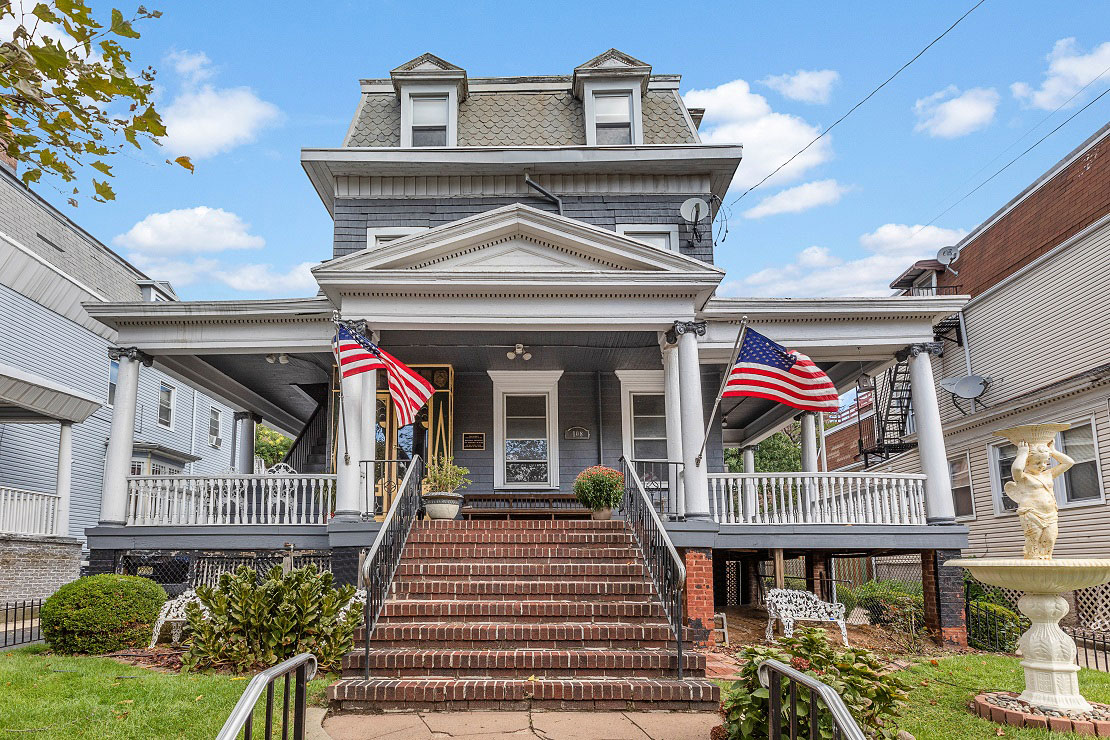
429 120
613 117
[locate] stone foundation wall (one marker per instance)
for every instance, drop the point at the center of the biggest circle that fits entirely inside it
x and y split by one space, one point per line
34 567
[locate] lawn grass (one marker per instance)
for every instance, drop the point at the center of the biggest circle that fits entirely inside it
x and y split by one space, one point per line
75 697
938 710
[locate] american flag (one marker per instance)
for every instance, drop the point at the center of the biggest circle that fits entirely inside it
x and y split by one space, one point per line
764 369
357 354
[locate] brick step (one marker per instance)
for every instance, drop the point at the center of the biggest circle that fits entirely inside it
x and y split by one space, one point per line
401 663
521 571
461 694
519 524
519 553
522 537
464 636
534 590
425 610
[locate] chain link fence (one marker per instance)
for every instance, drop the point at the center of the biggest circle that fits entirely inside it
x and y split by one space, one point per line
180 571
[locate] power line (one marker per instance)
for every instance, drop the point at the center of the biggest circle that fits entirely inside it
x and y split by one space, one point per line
1004 167
861 102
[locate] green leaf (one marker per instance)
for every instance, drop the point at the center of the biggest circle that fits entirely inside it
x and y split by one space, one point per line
104 190
43 13
121 27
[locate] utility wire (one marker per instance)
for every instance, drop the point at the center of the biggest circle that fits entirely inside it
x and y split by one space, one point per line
857 105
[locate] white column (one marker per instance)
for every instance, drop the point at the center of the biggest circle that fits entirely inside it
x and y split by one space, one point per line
673 410
368 451
244 455
695 480
749 485
939 508
809 442
62 483
121 437
348 480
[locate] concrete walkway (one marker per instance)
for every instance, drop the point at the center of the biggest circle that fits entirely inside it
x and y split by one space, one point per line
522 726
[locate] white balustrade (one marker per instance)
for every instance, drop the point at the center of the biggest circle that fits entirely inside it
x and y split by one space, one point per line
28 512
197 500
817 498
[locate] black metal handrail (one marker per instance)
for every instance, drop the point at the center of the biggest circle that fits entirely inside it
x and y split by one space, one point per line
385 554
662 480
772 672
664 564
299 670
381 482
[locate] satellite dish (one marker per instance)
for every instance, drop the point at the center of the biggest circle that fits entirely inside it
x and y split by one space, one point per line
694 210
949 384
948 255
970 386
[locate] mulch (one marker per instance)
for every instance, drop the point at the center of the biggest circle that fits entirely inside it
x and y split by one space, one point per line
161 659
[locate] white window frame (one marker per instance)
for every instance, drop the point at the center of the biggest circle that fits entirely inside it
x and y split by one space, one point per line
215 414
531 383
671 230
375 233
408 92
108 397
173 405
1059 486
633 382
631 88
970 484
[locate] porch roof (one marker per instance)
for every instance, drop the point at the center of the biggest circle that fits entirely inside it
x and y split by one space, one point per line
29 398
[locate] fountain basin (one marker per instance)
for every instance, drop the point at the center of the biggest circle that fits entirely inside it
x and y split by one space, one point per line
1055 576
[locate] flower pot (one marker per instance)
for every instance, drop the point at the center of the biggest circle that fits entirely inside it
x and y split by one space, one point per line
602 515
442 504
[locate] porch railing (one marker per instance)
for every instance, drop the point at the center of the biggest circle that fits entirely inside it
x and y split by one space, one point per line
817 498
196 500
663 562
28 512
385 554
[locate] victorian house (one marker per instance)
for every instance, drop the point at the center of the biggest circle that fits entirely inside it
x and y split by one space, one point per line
541 250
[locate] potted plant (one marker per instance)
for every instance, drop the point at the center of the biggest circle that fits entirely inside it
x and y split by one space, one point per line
442 479
599 489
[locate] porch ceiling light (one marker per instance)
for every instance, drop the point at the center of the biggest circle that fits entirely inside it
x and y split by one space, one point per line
518 351
280 358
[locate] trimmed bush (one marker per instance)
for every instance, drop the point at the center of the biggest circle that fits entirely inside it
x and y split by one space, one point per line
247 623
101 614
599 488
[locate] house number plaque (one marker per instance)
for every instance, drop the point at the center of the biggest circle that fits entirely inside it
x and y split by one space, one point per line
576 433
474 440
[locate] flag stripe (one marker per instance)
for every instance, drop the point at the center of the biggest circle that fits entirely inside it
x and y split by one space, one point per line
764 369
356 354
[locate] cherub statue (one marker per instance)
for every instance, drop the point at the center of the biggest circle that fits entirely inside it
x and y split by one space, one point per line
1032 490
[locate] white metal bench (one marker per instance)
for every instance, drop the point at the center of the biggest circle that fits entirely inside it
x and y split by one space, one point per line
790 606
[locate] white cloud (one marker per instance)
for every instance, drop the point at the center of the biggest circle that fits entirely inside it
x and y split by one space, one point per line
177 271
199 229
815 271
193 67
948 113
1068 71
208 121
799 198
736 115
805 85
263 279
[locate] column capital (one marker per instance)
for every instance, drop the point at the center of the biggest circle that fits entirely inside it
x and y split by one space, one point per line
240 415
685 327
932 348
132 353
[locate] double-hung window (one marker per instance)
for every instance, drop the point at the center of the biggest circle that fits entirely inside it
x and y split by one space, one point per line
166 396
215 418
649 427
1080 485
663 236
959 473
113 377
613 117
526 444
429 120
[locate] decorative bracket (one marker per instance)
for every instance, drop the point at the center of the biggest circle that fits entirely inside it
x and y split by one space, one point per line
132 353
685 327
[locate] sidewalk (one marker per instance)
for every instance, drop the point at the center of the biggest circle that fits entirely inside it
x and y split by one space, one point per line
522 726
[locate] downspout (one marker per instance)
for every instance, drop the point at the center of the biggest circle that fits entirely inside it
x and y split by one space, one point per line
967 351
600 434
547 194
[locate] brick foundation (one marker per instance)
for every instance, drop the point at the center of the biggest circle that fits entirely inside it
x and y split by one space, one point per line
699 595
944 597
34 566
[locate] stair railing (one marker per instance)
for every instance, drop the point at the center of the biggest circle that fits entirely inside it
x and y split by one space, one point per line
298 670
664 564
299 451
771 674
385 554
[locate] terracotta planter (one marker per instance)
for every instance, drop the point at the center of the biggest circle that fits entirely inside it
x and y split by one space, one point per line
442 504
602 515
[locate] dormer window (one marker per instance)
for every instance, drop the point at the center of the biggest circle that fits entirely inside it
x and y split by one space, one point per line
613 117
429 120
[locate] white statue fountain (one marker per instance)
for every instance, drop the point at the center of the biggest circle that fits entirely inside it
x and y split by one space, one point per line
1048 654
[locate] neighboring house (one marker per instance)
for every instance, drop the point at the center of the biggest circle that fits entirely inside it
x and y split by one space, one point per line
521 242
57 389
1037 328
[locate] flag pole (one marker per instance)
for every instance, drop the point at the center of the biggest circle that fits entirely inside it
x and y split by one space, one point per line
724 383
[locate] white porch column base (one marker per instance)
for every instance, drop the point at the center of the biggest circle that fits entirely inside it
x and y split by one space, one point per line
62 486
695 480
121 437
673 410
939 508
348 479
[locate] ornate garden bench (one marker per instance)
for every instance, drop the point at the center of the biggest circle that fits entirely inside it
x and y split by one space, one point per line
790 606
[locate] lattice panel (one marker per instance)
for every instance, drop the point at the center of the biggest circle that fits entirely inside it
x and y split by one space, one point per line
1092 606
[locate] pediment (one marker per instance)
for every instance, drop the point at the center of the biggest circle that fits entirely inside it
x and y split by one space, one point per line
517 254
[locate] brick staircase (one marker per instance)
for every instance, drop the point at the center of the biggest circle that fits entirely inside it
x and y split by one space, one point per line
518 614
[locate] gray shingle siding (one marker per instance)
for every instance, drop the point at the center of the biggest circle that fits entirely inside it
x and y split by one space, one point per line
354 215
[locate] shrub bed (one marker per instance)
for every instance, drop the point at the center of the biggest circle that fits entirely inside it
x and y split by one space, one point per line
101 614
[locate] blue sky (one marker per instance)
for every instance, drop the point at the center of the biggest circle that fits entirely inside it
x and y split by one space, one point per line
245 85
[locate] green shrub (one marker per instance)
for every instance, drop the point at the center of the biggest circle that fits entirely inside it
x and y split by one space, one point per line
599 487
993 627
873 697
101 614
444 476
893 603
979 591
846 596
245 624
